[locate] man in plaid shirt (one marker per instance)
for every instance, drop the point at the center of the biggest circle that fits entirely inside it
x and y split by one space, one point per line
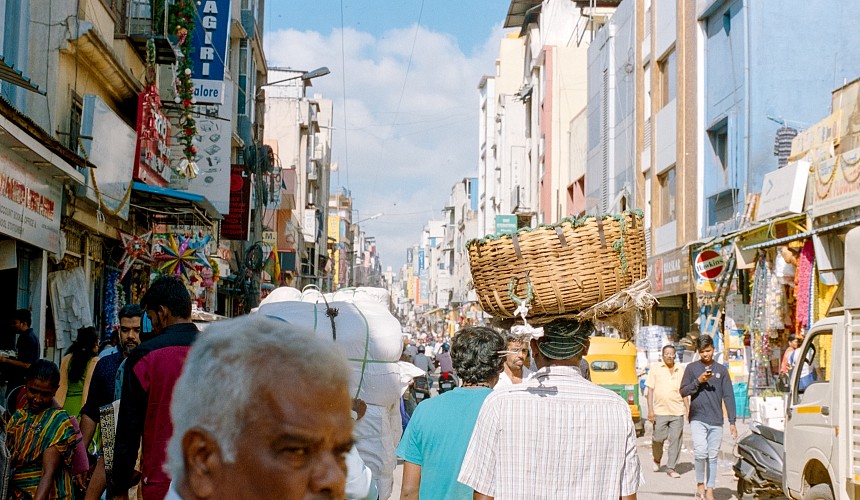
556 435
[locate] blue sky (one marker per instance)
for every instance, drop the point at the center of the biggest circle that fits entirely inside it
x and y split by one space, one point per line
408 128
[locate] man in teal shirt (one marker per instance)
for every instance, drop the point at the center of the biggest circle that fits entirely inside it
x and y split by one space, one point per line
438 434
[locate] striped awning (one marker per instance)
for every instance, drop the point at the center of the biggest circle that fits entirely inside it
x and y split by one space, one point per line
8 73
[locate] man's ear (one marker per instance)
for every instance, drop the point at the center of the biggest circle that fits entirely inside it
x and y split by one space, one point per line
202 457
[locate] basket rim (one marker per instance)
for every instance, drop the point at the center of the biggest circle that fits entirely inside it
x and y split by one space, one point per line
574 221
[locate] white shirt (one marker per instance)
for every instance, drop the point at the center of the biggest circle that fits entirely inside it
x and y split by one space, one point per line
505 379
554 436
172 494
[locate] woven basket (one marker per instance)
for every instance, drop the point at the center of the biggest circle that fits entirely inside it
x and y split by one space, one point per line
569 266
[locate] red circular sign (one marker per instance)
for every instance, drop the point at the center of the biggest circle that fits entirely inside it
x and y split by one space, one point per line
709 264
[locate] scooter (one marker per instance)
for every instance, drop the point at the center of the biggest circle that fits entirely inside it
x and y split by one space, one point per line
762 454
447 382
420 388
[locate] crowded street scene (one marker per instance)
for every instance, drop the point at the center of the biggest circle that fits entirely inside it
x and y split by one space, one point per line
402 250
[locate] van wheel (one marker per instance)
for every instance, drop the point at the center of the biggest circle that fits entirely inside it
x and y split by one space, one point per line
819 492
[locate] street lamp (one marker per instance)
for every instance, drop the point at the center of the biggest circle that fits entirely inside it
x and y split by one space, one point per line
306 76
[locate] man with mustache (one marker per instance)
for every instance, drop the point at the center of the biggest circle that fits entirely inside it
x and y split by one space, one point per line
103 386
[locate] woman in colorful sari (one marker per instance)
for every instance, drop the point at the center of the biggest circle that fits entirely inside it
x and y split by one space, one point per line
41 439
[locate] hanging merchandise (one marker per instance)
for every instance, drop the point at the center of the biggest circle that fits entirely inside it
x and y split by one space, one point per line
114 301
775 299
69 304
181 255
136 248
759 342
804 287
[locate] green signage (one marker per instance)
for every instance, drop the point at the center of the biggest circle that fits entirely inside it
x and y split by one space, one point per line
506 224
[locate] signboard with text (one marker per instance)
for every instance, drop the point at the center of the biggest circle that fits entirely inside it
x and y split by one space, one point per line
210 48
506 224
670 273
29 205
153 140
236 223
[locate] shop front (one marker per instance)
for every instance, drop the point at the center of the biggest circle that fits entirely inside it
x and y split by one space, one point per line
672 317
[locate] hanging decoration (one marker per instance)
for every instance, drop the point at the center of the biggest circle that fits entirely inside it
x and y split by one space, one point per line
183 17
136 249
114 300
182 254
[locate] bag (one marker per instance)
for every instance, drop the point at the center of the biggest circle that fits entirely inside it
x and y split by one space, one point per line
782 383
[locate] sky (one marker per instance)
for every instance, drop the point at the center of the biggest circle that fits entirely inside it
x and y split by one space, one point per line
407 129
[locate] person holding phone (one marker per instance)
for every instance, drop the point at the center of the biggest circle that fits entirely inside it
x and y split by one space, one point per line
709 387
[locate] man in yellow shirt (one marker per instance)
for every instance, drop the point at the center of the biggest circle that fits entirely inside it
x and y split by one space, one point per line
666 409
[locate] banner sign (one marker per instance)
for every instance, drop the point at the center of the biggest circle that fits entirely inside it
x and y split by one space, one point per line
236 223
109 144
153 140
670 273
210 42
506 224
29 205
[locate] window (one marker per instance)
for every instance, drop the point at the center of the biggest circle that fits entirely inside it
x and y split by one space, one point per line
814 365
604 366
718 136
668 73
721 206
244 50
668 195
75 116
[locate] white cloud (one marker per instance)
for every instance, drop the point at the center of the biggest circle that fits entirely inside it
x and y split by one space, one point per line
400 163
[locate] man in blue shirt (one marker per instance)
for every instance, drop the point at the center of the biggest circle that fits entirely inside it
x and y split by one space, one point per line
709 386
27 347
438 434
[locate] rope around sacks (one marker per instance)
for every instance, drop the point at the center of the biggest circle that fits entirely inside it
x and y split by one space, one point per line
618 311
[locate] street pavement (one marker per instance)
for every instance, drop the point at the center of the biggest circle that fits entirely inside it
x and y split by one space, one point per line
658 485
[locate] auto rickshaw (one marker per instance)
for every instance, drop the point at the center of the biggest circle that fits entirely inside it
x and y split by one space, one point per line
612 363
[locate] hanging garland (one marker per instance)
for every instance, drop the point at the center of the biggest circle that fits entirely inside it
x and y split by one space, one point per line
183 17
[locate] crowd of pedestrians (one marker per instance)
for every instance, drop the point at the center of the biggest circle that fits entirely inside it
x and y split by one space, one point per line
257 409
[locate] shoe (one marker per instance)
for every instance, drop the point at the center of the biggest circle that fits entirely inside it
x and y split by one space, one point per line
672 473
655 466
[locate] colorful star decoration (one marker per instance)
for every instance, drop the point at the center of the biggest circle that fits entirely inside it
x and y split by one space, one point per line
182 254
136 249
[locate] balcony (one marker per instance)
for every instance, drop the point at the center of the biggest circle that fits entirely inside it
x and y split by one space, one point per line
142 20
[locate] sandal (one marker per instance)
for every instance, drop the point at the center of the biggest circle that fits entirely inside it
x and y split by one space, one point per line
671 473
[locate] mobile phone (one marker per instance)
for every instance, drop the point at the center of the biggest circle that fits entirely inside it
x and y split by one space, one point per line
709 369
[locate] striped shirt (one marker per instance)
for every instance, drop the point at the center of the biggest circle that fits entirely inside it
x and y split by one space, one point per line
554 436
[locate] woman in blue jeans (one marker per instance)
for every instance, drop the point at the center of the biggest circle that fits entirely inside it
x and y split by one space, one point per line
709 386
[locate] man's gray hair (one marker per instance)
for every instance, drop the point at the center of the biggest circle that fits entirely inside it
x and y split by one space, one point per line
232 360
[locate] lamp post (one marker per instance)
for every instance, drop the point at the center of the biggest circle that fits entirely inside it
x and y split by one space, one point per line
259 205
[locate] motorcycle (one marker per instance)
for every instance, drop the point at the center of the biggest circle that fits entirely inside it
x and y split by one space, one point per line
420 389
761 457
447 382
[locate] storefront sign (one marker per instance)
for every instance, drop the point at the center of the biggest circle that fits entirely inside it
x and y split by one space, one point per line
506 224
420 260
709 265
835 183
213 154
670 273
783 191
29 204
235 224
109 144
210 49
153 140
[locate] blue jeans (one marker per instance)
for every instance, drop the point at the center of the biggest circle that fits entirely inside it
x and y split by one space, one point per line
706 449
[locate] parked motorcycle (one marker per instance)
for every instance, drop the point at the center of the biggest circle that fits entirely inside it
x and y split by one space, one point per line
759 468
447 382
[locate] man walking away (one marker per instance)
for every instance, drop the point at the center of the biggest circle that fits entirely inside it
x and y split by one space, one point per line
438 433
149 375
666 409
556 435
709 387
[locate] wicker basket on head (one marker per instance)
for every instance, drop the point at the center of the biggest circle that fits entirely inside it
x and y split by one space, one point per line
563 268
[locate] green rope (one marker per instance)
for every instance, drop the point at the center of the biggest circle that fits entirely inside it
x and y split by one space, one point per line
574 221
512 286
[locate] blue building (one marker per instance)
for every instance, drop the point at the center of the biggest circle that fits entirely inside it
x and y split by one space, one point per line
766 67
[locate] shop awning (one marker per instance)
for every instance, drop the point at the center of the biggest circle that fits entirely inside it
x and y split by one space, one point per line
8 73
182 206
805 234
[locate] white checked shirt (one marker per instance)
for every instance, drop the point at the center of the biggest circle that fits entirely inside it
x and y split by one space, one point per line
554 436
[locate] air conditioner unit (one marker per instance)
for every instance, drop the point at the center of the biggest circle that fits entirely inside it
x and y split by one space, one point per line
318 152
313 171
